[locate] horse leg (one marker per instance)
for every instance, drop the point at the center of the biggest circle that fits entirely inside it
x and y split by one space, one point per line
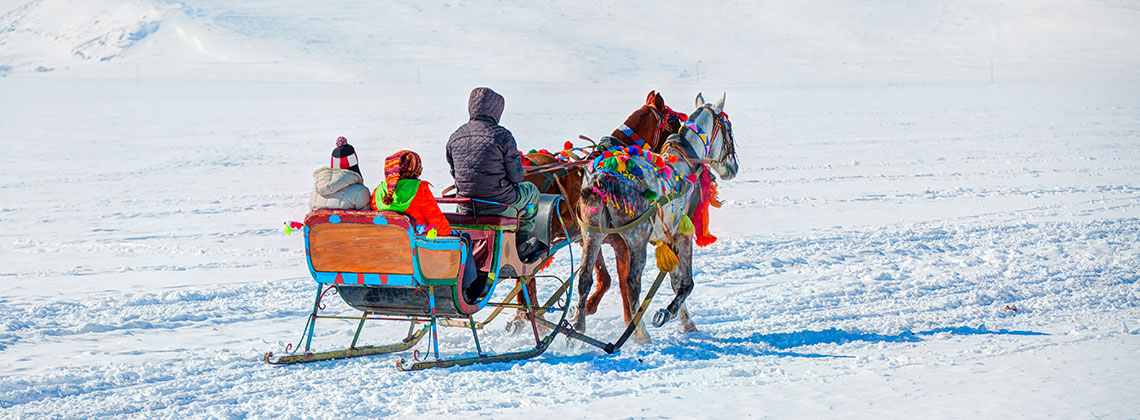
604 280
621 257
591 249
632 282
687 325
621 254
532 294
681 279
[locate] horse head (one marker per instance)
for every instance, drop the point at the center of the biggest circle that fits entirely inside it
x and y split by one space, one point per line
651 124
713 138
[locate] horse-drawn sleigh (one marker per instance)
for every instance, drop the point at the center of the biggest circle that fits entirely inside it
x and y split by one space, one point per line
644 184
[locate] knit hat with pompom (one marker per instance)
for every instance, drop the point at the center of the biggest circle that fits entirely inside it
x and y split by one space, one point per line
344 156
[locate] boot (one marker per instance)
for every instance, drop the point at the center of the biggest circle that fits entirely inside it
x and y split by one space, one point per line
530 250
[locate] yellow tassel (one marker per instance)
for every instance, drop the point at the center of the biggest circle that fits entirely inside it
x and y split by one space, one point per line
666 259
686 227
621 166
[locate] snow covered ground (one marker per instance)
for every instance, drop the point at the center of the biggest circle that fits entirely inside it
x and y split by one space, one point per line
907 173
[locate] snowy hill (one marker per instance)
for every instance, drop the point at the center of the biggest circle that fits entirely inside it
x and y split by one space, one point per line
404 41
910 174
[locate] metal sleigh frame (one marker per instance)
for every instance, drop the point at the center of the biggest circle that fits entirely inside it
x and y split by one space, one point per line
412 288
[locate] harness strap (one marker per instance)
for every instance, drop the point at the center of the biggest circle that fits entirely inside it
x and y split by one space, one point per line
552 176
531 170
649 212
684 148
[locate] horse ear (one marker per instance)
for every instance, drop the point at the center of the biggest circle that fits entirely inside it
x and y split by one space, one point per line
719 105
658 102
649 98
700 100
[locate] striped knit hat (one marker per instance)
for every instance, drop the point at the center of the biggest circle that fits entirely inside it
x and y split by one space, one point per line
344 156
404 164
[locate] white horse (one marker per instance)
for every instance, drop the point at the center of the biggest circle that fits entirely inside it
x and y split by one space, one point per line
618 200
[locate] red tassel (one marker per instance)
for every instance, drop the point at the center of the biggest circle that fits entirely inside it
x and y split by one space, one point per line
701 213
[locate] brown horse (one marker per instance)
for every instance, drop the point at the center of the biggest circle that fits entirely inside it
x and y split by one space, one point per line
649 126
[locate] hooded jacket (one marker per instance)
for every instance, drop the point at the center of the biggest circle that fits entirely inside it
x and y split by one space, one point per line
483 155
339 189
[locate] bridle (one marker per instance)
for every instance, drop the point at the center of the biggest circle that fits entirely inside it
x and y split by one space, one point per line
721 123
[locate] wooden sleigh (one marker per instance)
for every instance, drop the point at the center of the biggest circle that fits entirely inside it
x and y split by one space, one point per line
378 265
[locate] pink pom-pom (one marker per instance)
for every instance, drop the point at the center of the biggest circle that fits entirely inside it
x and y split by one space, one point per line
341 141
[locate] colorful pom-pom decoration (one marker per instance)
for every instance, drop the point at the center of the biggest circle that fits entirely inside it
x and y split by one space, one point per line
686 227
666 259
672 158
568 145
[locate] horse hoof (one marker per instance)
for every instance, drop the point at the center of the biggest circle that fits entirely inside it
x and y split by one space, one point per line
514 326
661 317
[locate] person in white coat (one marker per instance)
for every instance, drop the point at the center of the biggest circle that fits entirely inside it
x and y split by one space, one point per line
340 186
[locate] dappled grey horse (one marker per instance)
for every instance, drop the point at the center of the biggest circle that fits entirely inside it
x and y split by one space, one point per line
617 200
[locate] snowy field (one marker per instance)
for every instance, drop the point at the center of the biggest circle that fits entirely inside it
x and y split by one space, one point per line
909 175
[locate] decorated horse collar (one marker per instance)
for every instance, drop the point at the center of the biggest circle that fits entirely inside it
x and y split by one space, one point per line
706 138
624 129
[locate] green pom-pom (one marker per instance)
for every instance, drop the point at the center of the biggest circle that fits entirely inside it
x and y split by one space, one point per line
532 151
686 227
611 163
650 195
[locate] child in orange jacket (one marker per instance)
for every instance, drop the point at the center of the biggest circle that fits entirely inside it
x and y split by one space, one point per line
404 192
